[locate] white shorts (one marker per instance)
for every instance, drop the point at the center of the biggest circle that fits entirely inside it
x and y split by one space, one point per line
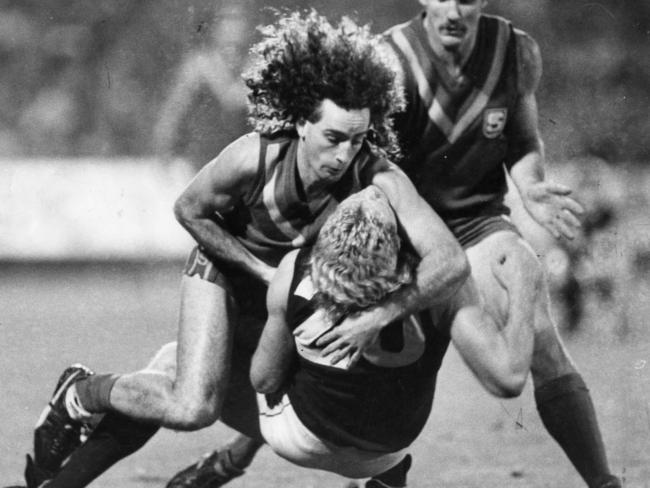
290 439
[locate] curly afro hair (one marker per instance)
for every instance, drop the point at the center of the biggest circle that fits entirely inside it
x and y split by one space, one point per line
303 59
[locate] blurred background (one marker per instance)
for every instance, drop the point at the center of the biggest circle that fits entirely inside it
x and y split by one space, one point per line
107 109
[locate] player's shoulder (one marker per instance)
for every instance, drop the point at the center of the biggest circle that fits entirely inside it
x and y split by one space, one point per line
529 61
278 293
287 267
385 174
245 146
240 156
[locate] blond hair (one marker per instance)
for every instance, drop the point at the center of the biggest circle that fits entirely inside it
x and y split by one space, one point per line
356 261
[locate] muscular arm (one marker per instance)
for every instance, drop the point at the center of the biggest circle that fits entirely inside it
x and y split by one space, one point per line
499 357
442 269
443 265
548 203
274 354
217 188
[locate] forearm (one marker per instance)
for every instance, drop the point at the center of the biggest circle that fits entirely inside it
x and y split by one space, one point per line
220 244
439 275
528 170
519 333
269 368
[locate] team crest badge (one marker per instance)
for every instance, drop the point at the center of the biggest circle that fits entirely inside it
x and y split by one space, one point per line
494 121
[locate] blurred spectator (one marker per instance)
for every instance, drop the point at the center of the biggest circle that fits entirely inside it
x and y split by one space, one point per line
205 108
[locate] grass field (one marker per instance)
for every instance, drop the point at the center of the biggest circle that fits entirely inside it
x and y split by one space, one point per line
113 317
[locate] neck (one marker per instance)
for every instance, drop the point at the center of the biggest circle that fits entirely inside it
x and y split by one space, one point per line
311 185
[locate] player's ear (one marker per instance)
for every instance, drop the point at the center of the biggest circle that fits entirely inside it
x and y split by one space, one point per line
300 128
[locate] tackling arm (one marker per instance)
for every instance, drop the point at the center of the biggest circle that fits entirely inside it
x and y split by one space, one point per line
442 269
275 351
499 357
443 265
217 188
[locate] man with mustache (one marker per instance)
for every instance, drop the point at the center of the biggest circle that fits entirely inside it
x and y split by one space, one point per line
471 115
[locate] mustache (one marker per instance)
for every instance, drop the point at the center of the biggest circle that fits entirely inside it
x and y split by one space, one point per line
454 26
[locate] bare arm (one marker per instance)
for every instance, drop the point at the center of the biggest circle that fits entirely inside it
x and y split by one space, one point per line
275 351
443 265
548 203
500 358
218 188
442 269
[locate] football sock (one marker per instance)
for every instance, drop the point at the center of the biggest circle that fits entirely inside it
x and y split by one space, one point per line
566 409
93 393
115 437
74 407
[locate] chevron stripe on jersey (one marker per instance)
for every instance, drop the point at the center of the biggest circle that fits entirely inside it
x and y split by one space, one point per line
278 217
453 109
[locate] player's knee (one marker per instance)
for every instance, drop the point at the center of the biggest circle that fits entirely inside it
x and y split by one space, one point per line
512 386
193 415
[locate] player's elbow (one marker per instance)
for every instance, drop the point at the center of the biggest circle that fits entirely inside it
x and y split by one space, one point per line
184 209
263 382
509 383
264 385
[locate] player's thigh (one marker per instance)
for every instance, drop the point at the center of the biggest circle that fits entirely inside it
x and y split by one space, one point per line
205 331
485 254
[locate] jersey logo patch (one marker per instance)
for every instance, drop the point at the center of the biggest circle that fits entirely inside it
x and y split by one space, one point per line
494 121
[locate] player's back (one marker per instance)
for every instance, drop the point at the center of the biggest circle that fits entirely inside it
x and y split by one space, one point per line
392 384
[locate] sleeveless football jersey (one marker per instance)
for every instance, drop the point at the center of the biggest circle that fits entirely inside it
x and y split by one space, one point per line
275 216
382 403
454 132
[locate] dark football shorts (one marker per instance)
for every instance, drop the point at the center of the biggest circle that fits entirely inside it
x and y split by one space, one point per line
472 230
248 292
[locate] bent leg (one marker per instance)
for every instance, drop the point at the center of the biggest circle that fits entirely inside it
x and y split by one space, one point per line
239 412
185 394
115 437
564 402
562 398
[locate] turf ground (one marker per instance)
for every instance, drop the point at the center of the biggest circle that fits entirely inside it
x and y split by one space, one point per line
113 317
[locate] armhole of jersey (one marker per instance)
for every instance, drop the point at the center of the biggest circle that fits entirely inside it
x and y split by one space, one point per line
438 322
293 307
252 194
299 267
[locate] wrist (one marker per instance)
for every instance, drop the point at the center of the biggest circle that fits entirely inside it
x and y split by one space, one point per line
385 314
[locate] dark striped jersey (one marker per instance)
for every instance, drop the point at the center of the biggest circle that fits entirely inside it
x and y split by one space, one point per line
275 216
454 132
382 403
